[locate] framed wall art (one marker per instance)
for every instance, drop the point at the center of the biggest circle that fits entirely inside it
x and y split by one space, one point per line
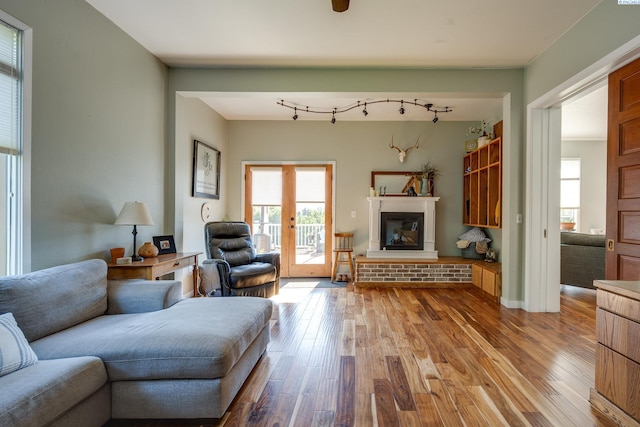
206 171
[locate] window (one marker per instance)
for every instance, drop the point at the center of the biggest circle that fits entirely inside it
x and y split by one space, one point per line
570 191
12 159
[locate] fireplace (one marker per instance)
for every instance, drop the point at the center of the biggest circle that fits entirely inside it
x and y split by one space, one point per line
402 231
401 213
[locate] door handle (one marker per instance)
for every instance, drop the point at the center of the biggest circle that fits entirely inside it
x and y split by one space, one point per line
610 245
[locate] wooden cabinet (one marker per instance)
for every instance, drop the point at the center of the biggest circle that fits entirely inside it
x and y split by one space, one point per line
482 186
617 376
488 277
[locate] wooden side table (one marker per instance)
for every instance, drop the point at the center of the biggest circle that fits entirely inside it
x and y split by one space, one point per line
154 268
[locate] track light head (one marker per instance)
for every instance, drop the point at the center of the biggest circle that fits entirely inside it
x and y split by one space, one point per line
401 110
435 119
295 117
333 118
295 113
365 112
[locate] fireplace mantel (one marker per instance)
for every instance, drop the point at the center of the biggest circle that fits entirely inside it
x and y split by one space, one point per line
403 204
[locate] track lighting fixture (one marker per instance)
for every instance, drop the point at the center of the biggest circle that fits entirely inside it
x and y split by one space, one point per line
337 110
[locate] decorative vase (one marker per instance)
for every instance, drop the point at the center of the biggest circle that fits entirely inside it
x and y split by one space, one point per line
426 187
483 140
148 250
116 253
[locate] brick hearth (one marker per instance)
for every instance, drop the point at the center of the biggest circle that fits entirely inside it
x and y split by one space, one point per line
444 272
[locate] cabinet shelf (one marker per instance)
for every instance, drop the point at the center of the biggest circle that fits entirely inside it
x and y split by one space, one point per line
482 186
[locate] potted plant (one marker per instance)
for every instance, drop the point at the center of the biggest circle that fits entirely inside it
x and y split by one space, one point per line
567 223
483 138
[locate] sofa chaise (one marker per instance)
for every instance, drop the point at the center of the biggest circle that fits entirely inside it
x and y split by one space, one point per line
125 349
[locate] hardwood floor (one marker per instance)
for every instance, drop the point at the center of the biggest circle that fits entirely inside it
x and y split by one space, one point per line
432 357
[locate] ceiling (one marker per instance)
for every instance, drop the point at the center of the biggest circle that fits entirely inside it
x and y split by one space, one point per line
371 33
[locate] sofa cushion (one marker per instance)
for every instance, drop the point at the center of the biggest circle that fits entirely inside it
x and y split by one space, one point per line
15 352
44 391
195 338
582 239
50 300
254 274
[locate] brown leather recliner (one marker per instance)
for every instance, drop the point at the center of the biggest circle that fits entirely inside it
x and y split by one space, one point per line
233 258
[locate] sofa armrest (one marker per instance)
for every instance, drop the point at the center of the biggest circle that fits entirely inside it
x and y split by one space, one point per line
140 296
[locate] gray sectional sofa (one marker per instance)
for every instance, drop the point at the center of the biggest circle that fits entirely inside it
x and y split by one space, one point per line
581 258
128 349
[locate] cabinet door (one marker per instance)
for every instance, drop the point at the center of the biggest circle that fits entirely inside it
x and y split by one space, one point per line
476 275
489 281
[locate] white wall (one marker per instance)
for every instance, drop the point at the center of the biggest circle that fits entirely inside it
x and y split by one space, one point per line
593 181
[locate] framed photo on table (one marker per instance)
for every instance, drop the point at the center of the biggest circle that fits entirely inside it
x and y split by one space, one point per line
165 244
206 171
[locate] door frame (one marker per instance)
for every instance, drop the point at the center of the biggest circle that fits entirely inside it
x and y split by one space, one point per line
542 254
332 163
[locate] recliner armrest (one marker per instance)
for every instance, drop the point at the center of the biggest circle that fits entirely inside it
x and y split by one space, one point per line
141 296
271 258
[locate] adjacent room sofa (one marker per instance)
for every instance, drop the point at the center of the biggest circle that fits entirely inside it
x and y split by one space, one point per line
581 258
128 349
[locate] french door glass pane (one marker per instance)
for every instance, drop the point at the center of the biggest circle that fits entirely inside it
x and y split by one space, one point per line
266 197
310 215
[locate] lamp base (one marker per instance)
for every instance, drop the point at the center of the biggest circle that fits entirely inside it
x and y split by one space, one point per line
136 258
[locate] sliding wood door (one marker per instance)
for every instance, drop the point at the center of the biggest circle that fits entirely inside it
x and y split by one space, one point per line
623 175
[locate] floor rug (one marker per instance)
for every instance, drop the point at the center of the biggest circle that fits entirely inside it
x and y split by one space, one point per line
319 283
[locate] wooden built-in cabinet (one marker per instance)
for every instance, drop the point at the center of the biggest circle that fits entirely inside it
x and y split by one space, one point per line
488 277
482 186
617 376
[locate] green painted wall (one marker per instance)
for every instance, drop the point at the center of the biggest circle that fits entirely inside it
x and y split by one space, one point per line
607 27
99 116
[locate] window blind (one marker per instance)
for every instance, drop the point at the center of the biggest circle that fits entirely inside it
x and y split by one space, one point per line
9 89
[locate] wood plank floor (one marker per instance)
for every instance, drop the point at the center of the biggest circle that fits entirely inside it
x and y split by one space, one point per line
430 357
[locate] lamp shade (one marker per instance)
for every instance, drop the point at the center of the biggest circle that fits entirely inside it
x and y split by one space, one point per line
134 213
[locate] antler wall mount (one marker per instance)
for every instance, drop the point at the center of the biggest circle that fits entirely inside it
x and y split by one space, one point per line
403 153
300 109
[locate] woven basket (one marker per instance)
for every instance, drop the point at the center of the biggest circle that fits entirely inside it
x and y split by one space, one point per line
470 252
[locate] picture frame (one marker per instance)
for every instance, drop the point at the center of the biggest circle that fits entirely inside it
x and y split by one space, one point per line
165 244
391 182
206 171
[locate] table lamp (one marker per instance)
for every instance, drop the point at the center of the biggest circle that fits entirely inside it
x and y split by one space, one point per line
134 213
